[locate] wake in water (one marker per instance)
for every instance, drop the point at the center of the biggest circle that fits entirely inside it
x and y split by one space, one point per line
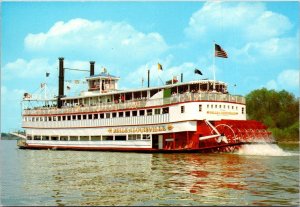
264 149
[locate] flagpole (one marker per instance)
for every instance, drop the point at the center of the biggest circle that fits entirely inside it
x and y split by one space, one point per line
214 72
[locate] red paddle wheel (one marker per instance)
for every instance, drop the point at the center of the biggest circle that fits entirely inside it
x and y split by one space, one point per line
230 135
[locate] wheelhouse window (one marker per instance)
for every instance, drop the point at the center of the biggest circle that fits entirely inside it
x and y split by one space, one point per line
121 114
69 118
200 107
114 114
84 116
107 115
127 113
95 116
74 117
90 116
101 116
78 117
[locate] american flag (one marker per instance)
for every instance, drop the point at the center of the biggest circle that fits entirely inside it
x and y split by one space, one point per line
219 52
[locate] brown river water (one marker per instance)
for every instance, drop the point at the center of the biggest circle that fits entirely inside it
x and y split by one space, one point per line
256 175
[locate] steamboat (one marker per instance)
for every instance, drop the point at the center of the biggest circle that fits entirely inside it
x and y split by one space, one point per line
195 116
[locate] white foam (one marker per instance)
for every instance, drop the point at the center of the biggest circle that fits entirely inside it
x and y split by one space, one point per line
264 150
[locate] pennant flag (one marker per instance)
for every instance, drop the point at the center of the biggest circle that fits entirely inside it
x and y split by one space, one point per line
197 71
159 66
47 74
219 52
68 87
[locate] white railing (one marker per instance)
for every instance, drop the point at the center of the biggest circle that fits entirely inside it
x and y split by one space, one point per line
154 119
137 103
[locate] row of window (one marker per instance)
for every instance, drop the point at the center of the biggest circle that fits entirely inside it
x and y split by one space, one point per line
143 112
92 138
182 108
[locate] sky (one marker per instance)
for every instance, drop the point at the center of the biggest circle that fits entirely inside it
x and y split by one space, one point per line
127 38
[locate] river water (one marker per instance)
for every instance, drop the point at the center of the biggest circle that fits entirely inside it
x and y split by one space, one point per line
257 175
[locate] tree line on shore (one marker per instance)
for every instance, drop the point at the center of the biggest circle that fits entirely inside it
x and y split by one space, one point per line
278 110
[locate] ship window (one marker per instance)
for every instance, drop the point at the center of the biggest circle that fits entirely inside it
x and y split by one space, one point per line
74 117
114 114
50 118
90 116
95 116
182 109
120 138
149 112
84 116
101 116
207 106
236 108
121 114
105 138
69 118
127 113
216 106
165 110
200 107
29 137
220 106
146 136
157 111
37 137
224 106
78 117
142 112
107 115
212 106
63 118
95 138
58 118
45 137
54 138
84 138
134 136
54 118
63 138
134 113
242 110
73 138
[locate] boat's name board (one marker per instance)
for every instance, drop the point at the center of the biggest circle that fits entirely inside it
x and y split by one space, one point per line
223 112
141 129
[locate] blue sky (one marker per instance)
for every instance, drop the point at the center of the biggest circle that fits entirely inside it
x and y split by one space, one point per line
261 39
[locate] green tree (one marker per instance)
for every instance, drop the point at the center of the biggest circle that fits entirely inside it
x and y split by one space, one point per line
277 110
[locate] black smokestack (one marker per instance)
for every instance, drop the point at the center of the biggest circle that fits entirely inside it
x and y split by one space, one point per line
92 68
61 79
181 77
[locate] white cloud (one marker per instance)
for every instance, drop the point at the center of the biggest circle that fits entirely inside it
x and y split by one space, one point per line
102 39
250 21
271 48
286 79
289 79
27 69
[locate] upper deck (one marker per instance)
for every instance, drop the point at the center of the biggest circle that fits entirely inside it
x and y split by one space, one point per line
142 98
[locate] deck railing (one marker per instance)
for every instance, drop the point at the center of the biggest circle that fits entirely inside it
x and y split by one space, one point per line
138 103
